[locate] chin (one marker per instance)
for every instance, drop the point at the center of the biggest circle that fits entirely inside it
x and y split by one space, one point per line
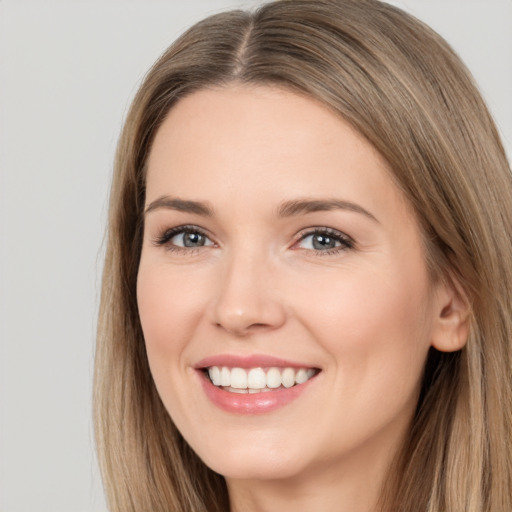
253 462
256 470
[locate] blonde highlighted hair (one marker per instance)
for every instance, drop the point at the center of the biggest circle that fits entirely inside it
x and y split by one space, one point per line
401 86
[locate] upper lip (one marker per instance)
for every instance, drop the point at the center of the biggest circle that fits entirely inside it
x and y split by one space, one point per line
248 361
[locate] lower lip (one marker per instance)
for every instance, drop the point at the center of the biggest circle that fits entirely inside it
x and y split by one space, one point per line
252 403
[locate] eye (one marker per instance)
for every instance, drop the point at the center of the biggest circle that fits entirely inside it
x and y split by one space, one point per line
190 239
184 237
325 240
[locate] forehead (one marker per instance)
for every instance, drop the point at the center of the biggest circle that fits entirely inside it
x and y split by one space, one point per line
252 147
254 129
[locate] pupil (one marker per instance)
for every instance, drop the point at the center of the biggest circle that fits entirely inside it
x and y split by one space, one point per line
193 239
323 242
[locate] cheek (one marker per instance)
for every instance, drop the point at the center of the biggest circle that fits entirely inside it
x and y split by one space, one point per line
170 307
374 325
375 331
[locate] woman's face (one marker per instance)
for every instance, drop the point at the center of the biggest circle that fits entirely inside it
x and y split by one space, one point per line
279 256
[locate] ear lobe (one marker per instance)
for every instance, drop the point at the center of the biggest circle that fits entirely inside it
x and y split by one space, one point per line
451 324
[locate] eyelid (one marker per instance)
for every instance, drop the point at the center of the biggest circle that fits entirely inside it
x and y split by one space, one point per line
166 235
345 240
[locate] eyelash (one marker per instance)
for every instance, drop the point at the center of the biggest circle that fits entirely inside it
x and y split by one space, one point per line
166 237
345 241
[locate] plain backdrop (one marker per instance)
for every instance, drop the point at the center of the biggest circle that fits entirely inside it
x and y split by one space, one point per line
68 70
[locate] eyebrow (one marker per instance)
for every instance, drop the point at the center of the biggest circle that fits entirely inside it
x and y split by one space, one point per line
180 205
285 209
298 207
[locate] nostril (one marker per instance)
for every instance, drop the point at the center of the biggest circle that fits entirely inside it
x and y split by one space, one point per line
243 329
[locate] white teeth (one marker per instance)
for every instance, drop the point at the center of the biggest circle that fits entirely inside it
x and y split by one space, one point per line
237 390
238 378
301 376
274 378
214 373
225 377
288 377
256 380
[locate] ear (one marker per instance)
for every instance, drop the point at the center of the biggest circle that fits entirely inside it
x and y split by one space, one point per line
452 316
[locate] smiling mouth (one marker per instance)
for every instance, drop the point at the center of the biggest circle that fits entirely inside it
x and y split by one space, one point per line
257 380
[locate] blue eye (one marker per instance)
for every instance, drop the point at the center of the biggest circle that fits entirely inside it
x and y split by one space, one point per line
325 240
190 239
184 237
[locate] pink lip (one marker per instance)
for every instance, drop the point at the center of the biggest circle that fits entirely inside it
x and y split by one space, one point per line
250 403
251 361
257 403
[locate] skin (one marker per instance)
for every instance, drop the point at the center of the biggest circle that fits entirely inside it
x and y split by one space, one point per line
365 315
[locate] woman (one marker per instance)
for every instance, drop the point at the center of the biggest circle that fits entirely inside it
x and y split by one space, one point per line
307 289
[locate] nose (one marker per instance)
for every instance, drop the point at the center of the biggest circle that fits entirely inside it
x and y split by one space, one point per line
247 298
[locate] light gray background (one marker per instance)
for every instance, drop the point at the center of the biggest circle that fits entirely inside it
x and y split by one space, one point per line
68 70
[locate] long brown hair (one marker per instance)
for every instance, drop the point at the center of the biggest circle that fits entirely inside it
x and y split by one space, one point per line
400 85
